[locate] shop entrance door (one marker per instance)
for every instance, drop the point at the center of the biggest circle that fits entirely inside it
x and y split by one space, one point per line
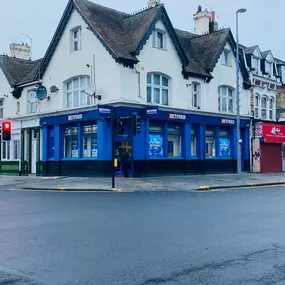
128 148
283 157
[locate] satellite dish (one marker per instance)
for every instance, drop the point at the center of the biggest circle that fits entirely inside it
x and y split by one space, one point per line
53 89
91 89
41 93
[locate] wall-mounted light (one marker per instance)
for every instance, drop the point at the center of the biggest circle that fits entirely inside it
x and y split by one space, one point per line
53 89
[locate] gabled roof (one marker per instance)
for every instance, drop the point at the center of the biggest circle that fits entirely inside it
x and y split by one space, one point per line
122 34
265 53
19 71
250 50
279 61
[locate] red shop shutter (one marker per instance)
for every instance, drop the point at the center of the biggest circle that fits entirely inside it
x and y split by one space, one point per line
271 158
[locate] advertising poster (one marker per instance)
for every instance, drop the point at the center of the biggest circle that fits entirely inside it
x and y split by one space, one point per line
224 147
94 147
75 148
155 145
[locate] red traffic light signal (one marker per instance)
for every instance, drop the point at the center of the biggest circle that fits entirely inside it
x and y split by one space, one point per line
6 131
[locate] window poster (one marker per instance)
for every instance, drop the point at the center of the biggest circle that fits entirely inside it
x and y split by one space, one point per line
94 147
224 147
74 147
155 145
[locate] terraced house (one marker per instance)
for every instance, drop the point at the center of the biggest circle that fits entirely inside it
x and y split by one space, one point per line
181 85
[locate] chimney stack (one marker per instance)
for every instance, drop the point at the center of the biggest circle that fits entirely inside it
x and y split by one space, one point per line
22 51
153 3
202 20
213 25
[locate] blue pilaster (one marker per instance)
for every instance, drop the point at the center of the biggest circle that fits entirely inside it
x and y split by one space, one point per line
235 143
58 152
201 143
104 140
139 143
80 141
187 140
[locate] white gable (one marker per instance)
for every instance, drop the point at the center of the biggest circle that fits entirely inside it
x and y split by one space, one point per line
269 57
257 53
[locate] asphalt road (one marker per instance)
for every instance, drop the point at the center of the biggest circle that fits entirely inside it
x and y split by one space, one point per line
223 237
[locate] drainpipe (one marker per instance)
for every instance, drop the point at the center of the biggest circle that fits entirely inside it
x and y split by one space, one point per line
139 82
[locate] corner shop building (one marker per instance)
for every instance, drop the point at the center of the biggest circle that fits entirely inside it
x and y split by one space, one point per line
170 142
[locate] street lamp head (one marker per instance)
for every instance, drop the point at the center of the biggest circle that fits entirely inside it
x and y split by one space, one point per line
241 10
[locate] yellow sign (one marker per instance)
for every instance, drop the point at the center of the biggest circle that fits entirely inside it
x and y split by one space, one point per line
115 162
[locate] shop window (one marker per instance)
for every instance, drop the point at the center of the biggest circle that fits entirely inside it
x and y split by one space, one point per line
16 150
71 142
155 138
226 99
6 150
174 140
193 141
210 143
225 143
75 92
157 89
90 141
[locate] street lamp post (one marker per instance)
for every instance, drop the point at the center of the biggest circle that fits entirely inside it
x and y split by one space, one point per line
242 10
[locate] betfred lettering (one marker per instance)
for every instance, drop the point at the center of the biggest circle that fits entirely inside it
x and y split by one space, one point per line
227 121
104 111
75 117
151 111
176 116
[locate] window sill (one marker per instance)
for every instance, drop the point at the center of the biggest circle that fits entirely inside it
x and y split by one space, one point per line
228 65
159 48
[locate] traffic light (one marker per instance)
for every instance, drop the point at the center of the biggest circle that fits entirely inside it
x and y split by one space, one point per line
6 131
135 124
120 127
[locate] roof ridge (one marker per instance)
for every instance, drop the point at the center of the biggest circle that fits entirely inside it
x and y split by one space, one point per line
105 7
142 11
207 34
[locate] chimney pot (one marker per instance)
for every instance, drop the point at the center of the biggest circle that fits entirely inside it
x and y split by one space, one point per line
153 3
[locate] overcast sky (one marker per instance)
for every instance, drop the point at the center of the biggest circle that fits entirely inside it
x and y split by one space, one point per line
263 23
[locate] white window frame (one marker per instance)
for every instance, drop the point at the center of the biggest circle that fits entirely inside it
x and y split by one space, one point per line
228 97
256 105
227 58
271 108
268 67
151 86
196 93
76 39
73 90
7 146
32 107
1 108
18 107
255 66
156 41
264 108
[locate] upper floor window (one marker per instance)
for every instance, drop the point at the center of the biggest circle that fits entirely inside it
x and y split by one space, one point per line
1 108
159 39
157 89
226 100
264 106
32 102
196 95
76 39
255 63
271 108
75 92
256 105
268 67
226 59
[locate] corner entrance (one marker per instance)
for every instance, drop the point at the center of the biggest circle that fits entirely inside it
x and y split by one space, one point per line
128 147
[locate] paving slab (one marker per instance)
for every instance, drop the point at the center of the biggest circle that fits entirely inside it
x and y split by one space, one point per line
158 183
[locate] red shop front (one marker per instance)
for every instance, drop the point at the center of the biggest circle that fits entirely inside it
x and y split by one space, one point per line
271 144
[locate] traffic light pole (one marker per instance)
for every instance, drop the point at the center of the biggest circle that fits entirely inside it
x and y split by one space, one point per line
113 122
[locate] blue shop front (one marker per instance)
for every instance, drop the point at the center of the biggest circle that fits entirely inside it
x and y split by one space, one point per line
80 144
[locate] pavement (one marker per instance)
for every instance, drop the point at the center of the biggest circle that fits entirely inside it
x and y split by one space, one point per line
143 238
161 183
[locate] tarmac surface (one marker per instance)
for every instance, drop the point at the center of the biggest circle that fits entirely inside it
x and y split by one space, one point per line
145 238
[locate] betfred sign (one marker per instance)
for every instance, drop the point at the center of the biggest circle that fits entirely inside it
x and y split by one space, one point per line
172 116
273 133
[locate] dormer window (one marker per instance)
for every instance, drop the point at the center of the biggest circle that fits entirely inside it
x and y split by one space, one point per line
76 39
226 57
159 39
255 63
268 67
